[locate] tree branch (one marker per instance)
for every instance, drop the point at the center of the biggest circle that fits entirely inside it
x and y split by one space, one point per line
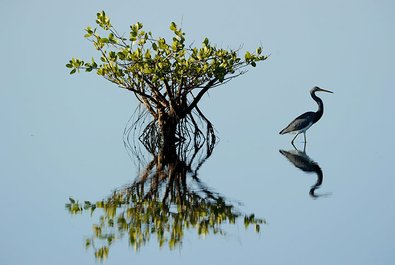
200 95
173 104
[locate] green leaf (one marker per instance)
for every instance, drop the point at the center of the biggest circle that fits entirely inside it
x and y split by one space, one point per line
206 42
173 26
248 56
257 228
94 64
88 243
73 71
147 54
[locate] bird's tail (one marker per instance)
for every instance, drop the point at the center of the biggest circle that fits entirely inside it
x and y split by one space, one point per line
282 131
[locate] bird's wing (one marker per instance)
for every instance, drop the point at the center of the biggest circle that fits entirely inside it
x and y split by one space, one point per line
299 123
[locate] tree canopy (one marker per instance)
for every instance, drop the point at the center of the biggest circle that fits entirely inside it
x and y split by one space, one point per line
166 76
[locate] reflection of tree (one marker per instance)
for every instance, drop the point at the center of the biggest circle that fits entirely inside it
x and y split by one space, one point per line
166 198
302 161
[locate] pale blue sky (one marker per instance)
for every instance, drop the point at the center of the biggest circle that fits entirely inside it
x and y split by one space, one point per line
61 135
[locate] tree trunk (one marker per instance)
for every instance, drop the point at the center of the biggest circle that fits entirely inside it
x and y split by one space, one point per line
167 152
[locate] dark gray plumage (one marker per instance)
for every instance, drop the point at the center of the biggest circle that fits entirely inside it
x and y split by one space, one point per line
303 122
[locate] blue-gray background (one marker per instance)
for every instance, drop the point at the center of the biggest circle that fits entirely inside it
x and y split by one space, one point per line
61 135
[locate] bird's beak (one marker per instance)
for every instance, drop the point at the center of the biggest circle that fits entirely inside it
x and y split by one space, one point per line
323 90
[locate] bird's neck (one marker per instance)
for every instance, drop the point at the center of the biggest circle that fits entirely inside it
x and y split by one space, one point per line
320 110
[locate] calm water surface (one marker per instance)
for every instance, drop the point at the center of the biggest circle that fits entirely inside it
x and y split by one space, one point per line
332 203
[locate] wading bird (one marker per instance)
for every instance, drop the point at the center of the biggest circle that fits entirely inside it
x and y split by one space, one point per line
302 123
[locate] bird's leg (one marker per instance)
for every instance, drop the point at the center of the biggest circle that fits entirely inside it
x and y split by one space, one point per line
294 146
304 133
304 148
292 142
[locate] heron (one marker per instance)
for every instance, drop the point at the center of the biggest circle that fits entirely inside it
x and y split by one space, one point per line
303 122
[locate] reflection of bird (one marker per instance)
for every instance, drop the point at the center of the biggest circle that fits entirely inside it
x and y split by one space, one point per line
302 161
302 123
